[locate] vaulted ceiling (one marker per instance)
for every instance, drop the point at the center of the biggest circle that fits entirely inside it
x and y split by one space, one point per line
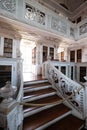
70 5
69 8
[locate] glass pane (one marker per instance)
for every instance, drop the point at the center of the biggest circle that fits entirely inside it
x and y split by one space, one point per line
45 53
79 55
63 69
82 74
72 56
5 74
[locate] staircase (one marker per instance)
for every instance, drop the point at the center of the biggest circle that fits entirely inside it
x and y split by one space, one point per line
48 117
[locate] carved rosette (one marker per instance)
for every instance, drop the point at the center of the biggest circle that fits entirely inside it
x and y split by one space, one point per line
9 5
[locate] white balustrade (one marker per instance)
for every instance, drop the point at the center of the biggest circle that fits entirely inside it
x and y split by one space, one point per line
35 14
11 112
66 87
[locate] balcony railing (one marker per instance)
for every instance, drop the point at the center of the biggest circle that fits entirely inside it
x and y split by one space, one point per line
67 88
35 14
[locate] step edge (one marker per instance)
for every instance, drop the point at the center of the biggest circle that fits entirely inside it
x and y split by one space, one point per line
34 89
53 121
32 112
39 97
35 81
38 110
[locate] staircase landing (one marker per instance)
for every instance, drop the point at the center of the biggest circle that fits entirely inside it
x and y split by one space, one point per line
31 76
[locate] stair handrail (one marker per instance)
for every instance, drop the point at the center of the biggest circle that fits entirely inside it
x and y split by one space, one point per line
65 87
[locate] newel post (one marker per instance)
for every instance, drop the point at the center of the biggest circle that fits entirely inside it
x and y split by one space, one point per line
85 103
11 115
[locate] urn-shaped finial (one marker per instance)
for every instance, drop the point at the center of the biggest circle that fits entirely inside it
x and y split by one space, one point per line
7 92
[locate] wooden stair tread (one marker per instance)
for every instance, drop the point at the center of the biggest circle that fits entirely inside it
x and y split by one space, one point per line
36 120
49 99
68 123
35 80
38 93
36 85
29 109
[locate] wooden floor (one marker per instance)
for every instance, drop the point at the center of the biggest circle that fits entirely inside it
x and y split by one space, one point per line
68 123
31 76
38 119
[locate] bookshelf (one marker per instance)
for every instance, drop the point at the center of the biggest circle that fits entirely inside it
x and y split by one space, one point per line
45 53
79 55
52 53
72 56
8 43
82 73
34 56
5 74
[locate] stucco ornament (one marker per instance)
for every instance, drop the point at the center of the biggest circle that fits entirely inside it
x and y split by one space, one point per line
9 5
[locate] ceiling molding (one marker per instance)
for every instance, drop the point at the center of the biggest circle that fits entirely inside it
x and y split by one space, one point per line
79 10
56 7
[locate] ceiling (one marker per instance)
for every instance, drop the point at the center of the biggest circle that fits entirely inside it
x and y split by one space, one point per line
70 5
67 8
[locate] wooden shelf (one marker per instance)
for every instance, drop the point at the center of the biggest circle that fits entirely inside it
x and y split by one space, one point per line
8 47
52 53
72 56
79 55
34 56
45 53
5 74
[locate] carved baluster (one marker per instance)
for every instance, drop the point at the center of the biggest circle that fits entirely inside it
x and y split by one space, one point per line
85 103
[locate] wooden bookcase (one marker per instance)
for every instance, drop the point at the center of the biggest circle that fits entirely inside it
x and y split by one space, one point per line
82 74
45 53
5 74
52 53
34 56
61 56
72 56
79 55
8 45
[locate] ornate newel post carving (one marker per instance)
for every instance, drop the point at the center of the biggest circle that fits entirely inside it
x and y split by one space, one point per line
85 102
7 92
10 112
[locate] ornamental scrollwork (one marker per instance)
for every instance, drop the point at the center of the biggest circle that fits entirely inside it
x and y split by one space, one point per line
72 32
67 88
58 25
9 5
34 14
53 76
83 29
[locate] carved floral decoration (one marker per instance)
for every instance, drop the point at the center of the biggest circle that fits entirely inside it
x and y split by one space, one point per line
34 14
9 5
59 25
83 29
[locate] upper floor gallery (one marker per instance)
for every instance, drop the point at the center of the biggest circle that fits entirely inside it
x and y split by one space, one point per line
31 13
